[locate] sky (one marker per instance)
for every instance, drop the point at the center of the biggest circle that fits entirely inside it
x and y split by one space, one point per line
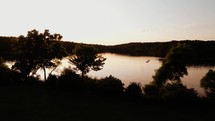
111 22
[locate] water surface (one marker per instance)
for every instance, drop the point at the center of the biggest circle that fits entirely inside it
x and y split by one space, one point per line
142 68
136 69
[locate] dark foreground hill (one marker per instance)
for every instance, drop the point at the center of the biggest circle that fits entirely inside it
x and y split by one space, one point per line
30 103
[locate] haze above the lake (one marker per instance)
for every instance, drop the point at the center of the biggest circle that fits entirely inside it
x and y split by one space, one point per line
111 21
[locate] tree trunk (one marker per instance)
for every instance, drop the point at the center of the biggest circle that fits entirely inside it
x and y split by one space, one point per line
44 69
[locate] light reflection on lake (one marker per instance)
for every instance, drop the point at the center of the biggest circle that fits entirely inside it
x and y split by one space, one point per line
128 68
142 68
136 69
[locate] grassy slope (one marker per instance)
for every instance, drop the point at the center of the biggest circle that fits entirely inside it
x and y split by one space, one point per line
36 104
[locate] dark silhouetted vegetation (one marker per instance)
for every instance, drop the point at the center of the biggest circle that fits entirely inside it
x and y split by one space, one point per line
178 94
8 76
208 83
173 65
37 50
201 49
111 86
134 90
7 47
86 59
70 80
167 84
71 96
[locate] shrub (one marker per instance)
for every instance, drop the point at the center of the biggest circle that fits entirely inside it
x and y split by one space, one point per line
151 90
178 93
134 90
70 80
111 86
51 81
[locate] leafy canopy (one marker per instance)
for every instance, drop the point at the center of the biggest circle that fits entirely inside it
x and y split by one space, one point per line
86 59
173 65
37 50
208 83
167 79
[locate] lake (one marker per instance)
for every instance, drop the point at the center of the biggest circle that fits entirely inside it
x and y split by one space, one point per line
142 68
138 69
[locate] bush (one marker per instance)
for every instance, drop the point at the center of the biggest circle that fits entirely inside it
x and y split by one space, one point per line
70 80
134 90
171 93
111 86
8 76
178 93
151 90
51 81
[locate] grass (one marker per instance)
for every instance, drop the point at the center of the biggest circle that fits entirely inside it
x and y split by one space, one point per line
30 103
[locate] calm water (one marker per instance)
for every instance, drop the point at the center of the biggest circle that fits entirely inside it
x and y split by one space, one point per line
142 68
138 69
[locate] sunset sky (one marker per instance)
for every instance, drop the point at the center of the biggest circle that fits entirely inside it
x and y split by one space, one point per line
111 21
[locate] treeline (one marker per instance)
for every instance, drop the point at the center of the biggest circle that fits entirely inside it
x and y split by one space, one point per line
7 47
201 49
158 49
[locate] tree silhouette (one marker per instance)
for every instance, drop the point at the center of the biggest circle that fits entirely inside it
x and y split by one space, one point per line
134 90
86 59
37 50
111 86
173 65
208 83
167 79
6 47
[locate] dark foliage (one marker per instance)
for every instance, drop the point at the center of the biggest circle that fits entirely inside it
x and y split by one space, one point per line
167 84
52 81
151 91
174 93
134 90
201 49
173 65
159 49
208 83
69 46
11 77
178 93
86 59
70 80
7 47
6 75
37 50
111 86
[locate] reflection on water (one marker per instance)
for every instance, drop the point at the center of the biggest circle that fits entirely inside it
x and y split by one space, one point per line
129 68
142 68
195 74
137 69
